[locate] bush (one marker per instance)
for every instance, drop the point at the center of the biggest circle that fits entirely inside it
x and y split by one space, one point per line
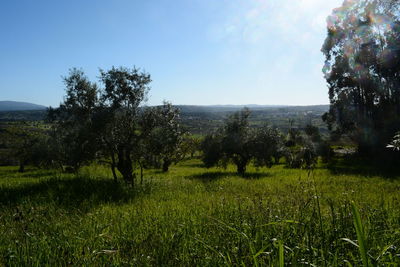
304 156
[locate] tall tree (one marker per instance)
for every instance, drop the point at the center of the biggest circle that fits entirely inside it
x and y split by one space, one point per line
362 68
124 92
73 134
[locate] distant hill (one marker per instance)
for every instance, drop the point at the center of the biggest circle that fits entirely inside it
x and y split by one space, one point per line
205 119
188 109
19 106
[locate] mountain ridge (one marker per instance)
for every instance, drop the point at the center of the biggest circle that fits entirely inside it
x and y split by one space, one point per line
9 105
19 106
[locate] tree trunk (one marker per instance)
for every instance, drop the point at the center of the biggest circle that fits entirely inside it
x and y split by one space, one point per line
241 168
61 166
113 164
166 164
241 164
125 166
141 172
21 166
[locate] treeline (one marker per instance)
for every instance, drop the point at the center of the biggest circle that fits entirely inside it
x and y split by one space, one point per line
22 115
108 122
238 143
200 120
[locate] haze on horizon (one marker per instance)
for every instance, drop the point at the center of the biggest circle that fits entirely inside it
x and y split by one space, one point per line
198 52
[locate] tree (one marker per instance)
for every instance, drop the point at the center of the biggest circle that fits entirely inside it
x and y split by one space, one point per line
104 122
22 141
190 145
267 145
313 132
124 92
236 142
111 123
362 70
166 137
74 139
302 155
212 149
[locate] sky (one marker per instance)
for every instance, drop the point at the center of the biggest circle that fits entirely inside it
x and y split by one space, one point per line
198 52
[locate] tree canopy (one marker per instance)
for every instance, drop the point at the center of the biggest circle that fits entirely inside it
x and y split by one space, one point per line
362 52
236 142
110 121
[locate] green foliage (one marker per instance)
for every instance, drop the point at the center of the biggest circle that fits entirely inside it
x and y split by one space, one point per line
74 139
267 145
325 151
110 123
237 140
302 156
238 143
313 133
124 92
191 145
300 150
166 137
361 68
23 143
362 245
212 150
281 255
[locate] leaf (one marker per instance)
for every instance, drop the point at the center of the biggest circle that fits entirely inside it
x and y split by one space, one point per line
362 246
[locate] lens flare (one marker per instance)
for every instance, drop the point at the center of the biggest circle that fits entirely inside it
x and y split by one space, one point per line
363 29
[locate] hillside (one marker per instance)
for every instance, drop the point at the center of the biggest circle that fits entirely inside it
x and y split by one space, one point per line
19 106
186 109
204 119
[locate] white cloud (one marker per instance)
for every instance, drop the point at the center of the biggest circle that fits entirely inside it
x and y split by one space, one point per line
252 21
275 45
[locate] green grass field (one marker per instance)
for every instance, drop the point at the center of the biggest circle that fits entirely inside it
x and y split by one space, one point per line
198 217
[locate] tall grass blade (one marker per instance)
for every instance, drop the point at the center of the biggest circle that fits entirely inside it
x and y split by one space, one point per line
348 263
281 255
362 246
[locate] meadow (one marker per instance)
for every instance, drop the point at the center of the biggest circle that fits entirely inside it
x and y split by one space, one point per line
193 216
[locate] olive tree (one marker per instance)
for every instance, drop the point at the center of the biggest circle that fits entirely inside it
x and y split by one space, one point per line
166 137
111 123
124 93
236 142
21 141
72 134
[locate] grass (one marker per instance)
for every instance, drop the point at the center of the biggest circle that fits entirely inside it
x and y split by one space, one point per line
193 216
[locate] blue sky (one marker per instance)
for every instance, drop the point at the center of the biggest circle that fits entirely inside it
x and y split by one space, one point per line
198 52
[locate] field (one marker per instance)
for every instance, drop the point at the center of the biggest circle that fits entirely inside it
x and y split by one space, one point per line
200 120
194 216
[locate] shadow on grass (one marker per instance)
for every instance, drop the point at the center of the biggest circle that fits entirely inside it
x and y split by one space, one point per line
193 165
30 172
35 173
79 192
212 176
353 165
